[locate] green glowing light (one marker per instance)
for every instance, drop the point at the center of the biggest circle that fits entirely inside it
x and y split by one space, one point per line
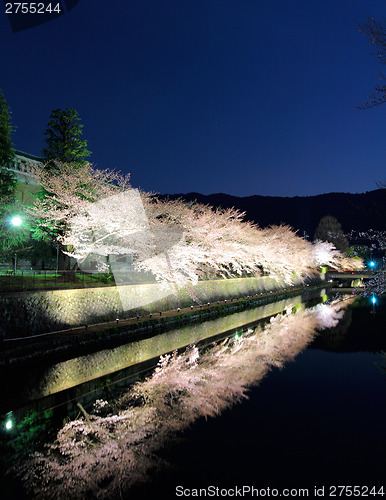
16 221
8 425
297 308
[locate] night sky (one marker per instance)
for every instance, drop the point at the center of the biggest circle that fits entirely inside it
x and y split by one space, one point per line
236 96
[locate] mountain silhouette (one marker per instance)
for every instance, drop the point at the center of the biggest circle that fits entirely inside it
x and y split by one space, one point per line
358 212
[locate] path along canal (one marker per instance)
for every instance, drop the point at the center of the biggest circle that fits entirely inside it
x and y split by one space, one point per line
318 421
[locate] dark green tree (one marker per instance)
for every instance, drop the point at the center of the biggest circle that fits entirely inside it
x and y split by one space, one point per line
329 229
7 154
14 230
20 237
63 139
64 147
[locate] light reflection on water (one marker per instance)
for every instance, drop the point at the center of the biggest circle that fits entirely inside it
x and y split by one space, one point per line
79 370
319 421
109 454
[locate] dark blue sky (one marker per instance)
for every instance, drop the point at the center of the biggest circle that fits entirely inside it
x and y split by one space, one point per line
237 96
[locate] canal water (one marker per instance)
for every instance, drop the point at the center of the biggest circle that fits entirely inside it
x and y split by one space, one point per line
53 384
314 416
319 422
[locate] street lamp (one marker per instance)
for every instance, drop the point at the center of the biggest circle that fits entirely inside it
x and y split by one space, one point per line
9 421
16 222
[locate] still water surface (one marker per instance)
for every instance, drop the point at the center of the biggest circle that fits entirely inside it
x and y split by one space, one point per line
318 421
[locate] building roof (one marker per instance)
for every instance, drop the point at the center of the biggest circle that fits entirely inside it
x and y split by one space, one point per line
28 155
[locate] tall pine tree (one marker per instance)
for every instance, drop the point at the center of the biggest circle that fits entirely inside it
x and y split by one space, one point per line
63 139
64 148
7 154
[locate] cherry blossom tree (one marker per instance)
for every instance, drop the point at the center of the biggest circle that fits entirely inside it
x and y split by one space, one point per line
221 242
66 194
97 213
178 242
325 254
71 191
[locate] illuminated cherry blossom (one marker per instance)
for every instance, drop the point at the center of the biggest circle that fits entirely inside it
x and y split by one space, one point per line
97 213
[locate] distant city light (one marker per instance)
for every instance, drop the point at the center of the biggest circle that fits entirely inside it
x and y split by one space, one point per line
16 221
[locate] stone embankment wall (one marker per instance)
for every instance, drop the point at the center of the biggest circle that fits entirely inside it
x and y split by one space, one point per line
75 371
29 313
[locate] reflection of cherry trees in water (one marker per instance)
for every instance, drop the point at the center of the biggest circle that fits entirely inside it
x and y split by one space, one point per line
333 338
104 454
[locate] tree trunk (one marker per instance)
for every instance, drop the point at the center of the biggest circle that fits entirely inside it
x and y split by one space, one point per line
64 266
